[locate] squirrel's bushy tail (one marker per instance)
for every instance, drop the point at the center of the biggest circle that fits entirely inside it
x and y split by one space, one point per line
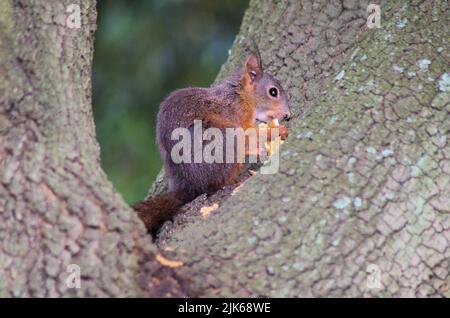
155 211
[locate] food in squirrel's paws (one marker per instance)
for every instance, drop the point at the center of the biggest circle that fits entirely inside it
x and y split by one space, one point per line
272 146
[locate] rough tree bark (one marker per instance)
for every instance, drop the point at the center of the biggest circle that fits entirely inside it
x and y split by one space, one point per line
56 205
364 177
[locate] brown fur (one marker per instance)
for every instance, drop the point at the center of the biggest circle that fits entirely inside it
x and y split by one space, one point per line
235 102
162 208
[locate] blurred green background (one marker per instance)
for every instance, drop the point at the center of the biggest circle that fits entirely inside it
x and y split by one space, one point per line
144 50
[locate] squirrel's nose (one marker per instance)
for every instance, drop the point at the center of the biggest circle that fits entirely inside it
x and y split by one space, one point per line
287 115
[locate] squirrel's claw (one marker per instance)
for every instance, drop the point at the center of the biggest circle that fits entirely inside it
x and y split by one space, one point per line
283 131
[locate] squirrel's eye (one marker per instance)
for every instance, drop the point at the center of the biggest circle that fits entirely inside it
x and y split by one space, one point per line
273 92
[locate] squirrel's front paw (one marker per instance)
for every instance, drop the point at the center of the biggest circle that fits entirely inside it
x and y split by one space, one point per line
283 131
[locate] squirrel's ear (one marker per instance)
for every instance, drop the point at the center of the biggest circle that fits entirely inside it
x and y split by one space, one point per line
253 67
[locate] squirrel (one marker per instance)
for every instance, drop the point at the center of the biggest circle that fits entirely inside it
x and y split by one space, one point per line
238 101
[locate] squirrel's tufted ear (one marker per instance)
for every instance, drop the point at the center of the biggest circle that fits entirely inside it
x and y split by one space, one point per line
253 67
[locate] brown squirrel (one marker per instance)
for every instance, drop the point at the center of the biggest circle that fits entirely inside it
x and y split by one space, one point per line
237 101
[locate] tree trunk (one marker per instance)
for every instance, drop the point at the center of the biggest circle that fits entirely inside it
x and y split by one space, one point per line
363 182
56 205
363 190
